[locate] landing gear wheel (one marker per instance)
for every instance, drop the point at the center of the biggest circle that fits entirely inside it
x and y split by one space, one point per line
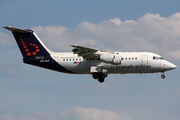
162 76
101 77
101 80
95 75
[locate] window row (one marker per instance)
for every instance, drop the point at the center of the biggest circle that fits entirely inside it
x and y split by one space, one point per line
130 58
79 59
72 59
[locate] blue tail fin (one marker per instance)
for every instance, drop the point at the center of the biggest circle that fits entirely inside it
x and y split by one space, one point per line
29 44
34 51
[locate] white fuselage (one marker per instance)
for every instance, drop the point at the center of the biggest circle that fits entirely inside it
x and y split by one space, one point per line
133 62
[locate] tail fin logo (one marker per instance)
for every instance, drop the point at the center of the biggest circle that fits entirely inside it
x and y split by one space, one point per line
29 53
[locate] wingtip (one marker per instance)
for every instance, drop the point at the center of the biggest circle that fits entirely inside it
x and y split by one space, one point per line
73 45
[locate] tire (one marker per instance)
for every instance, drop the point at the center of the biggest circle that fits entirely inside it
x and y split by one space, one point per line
101 80
95 75
162 76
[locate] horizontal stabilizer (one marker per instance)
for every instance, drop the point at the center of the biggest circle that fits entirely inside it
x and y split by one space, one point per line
17 30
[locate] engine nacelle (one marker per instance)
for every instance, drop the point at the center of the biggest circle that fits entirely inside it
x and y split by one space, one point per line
108 58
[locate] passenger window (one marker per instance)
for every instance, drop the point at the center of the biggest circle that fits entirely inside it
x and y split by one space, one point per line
63 59
66 59
136 58
129 58
132 58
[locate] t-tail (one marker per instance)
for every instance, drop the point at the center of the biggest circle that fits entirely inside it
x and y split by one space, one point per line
34 52
29 44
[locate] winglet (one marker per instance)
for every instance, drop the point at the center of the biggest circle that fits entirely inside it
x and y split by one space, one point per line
17 30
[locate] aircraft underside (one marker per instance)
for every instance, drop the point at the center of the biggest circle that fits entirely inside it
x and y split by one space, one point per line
101 72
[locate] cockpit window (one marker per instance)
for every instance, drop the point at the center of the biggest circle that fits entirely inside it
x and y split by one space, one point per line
157 58
161 58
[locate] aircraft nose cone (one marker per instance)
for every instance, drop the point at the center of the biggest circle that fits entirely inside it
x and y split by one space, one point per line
172 66
169 65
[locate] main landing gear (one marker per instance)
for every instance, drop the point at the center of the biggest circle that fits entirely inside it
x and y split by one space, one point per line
100 76
163 76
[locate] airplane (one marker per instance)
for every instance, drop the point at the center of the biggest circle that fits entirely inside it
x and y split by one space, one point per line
85 60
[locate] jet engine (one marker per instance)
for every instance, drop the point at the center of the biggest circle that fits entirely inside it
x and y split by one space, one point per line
109 58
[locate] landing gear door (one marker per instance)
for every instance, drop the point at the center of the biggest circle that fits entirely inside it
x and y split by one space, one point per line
144 59
96 69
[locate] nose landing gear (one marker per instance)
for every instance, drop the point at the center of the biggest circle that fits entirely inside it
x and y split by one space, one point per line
163 76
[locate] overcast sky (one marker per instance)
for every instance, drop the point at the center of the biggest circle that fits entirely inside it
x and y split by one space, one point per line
32 93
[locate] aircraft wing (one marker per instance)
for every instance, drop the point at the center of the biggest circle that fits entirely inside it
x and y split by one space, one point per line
86 52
